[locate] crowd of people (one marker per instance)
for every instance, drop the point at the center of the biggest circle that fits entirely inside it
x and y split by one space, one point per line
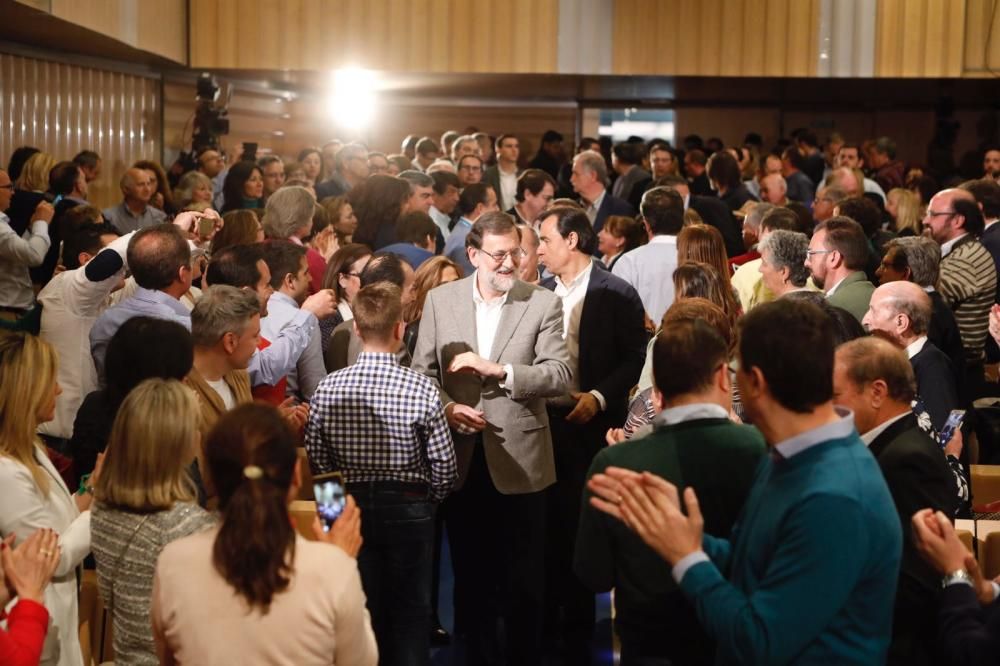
720 381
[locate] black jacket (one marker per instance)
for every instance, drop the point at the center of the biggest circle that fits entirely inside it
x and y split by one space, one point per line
918 477
935 383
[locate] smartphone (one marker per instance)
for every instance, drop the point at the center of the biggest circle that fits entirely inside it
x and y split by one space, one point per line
249 152
205 226
55 202
953 423
330 497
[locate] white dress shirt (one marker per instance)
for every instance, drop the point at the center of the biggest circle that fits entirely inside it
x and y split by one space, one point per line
594 206
70 305
650 270
508 188
916 346
441 220
488 315
872 434
573 295
17 253
947 247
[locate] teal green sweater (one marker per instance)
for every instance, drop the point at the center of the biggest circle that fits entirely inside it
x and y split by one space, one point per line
714 456
812 564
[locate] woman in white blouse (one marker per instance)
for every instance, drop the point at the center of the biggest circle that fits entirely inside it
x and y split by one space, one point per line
32 494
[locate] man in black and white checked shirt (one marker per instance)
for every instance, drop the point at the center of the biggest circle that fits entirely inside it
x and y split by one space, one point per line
383 427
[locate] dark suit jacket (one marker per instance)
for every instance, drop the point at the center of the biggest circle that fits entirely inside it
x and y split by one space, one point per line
331 187
611 206
612 340
715 212
700 186
991 241
737 197
967 633
935 383
943 332
918 477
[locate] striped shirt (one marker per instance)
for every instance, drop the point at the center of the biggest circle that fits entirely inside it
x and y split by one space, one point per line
969 286
378 421
126 550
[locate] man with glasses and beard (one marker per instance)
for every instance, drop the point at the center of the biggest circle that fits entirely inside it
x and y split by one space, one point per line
493 345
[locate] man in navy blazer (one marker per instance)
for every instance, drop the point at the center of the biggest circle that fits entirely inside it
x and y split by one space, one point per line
590 178
605 337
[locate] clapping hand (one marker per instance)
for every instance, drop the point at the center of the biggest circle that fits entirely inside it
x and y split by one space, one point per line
296 415
28 568
650 507
995 322
935 538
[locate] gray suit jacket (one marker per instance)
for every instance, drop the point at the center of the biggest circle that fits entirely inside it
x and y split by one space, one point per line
517 440
345 347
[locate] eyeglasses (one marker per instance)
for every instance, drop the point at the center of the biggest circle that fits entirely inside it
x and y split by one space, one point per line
939 213
500 257
810 253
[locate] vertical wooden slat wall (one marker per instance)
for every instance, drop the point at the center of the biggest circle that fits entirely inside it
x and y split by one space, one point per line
923 38
63 109
716 37
394 35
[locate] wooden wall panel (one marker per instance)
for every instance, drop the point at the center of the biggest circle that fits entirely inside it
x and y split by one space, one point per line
716 37
394 35
920 38
63 109
158 27
982 22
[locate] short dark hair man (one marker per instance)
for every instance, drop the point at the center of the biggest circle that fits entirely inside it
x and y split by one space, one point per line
693 443
650 268
874 380
811 566
474 202
382 426
416 236
503 175
493 346
351 169
445 197
837 257
604 329
535 191
626 161
90 163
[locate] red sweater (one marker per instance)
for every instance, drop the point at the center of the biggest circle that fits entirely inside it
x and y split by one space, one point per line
21 644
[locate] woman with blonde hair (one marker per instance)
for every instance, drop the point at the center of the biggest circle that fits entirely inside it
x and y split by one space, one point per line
144 500
904 208
193 190
29 191
32 493
342 218
697 279
432 273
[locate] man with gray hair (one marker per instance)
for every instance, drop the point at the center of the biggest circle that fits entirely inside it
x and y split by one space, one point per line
134 212
225 329
288 213
751 232
901 312
351 169
590 181
465 145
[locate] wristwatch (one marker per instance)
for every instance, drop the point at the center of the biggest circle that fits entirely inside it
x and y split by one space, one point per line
959 576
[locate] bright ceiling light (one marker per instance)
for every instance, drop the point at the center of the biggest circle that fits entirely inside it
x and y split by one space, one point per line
352 100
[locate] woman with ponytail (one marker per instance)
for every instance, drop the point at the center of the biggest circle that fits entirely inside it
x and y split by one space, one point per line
251 590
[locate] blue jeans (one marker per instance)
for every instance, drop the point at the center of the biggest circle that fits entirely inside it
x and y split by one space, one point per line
395 564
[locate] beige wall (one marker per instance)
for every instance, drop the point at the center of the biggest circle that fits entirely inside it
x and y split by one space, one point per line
393 35
63 109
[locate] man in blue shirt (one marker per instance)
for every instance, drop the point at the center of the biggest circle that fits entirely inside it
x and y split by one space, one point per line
808 573
416 236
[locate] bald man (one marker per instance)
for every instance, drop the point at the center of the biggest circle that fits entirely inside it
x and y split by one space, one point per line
968 275
134 212
773 189
901 312
872 378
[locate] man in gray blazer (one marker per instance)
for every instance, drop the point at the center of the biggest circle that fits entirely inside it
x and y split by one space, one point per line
493 345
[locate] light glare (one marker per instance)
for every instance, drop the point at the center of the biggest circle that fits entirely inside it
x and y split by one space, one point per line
352 101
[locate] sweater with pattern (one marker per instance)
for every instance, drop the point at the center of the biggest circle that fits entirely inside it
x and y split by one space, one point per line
969 285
